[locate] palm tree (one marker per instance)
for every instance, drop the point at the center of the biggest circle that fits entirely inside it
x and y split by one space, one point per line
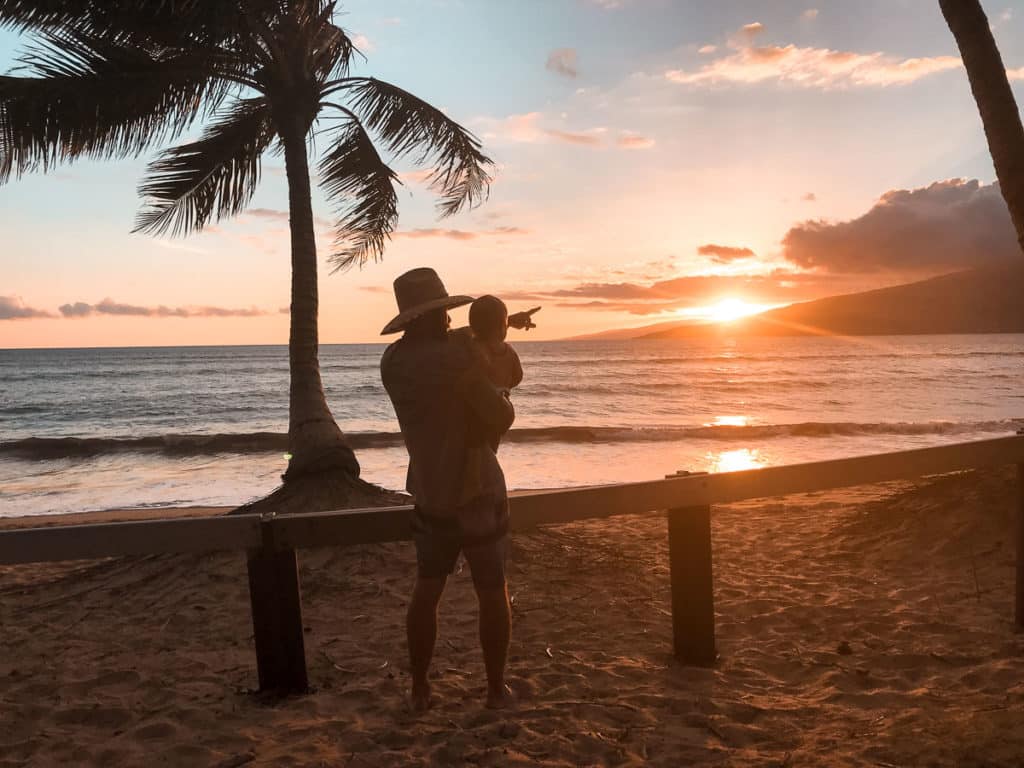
115 78
994 97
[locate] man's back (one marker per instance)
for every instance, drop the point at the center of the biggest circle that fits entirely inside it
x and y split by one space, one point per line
435 389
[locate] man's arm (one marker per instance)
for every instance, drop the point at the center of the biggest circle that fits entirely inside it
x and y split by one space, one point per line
492 408
510 366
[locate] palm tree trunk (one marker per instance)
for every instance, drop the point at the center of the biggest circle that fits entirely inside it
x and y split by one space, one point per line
992 92
316 443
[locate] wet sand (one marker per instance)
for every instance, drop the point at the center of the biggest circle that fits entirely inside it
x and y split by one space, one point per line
870 627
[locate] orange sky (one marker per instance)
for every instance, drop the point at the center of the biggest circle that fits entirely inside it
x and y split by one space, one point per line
718 151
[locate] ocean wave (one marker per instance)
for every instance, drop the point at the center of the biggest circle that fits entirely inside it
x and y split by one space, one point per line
46 448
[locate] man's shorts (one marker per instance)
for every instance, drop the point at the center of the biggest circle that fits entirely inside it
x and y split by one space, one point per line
478 529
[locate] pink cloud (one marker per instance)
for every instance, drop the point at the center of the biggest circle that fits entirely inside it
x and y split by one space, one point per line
629 140
586 139
808 67
460 234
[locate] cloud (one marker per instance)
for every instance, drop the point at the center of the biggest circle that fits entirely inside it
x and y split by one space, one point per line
748 32
948 225
526 128
588 139
810 197
562 61
808 67
724 254
421 176
630 140
13 308
111 307
272 214
391 21
267 213
1015 74
705 49
810 14
363 43
777 287
460 234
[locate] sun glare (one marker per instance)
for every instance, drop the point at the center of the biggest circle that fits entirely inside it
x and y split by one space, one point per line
736 460
731 309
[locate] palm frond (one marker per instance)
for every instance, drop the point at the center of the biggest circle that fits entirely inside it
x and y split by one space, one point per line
410 126
213 177
358 181
331 48
91 97
166 22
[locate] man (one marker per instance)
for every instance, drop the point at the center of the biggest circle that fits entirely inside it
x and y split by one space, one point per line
437 391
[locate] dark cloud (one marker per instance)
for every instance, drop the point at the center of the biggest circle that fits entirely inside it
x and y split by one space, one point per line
111 307
562 61
723 254
13 308
946 226
78 309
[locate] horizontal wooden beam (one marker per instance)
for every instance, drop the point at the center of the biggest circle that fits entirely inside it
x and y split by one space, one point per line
532 508
529 508
138 537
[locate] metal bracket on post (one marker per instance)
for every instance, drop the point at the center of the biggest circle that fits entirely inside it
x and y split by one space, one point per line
683 473
693 598
276 599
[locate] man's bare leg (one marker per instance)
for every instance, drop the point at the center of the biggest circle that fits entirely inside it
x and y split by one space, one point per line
421 630
495 632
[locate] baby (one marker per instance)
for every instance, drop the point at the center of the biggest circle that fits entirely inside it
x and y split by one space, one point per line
488 320
488 325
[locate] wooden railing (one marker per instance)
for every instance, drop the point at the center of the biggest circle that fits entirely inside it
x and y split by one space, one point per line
271 542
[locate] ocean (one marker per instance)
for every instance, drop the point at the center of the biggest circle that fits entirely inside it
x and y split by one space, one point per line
94 429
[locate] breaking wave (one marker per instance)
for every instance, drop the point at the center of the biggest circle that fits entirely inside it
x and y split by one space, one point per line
44 448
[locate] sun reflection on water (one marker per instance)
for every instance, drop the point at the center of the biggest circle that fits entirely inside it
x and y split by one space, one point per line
729 421
735 460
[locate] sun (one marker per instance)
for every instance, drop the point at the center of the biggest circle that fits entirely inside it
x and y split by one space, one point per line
729 309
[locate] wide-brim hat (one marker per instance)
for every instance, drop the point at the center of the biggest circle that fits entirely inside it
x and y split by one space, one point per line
417 292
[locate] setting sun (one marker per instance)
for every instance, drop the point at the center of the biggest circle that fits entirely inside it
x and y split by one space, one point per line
728 309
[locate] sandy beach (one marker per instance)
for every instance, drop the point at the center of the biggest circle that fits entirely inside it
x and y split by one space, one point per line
871 627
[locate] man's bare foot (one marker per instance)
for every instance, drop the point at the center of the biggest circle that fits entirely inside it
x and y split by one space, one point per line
503 698
420 699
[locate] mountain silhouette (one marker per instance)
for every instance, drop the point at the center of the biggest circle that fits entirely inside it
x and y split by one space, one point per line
986 300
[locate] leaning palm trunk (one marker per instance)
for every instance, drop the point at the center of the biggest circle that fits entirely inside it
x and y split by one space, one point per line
992 92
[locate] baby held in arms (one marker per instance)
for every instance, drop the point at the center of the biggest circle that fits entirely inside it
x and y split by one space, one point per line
489 322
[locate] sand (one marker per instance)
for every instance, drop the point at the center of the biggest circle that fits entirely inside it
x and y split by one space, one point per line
863 628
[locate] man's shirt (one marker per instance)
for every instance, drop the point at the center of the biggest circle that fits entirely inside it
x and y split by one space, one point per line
437 390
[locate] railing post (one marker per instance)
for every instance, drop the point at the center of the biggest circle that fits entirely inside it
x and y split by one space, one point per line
1018 614
274 593
693 600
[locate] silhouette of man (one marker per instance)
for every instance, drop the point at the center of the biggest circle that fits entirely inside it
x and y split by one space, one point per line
437 390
